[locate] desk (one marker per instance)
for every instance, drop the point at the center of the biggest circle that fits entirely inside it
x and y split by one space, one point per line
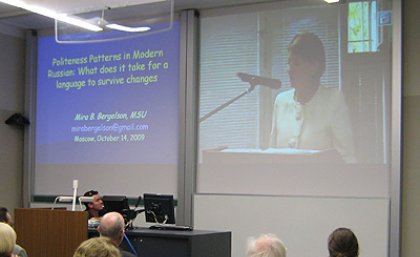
196 243
167 243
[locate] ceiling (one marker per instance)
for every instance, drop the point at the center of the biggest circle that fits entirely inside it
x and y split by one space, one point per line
21 19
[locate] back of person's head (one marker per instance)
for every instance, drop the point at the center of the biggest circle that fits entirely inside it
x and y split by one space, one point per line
266 245
343 243
7 239
4 215
97 247
308 46
112 226
89 193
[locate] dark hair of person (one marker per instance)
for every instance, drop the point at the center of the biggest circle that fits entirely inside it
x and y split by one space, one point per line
343 243
3 214
307 46
90 193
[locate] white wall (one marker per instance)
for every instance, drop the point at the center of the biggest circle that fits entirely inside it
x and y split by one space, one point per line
303 223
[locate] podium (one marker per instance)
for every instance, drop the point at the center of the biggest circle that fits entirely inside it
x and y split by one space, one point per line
50 233
270 155
275 172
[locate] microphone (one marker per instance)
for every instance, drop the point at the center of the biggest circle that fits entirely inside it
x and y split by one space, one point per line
75 186
258 80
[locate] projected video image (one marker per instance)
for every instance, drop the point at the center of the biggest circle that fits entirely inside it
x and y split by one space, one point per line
329 116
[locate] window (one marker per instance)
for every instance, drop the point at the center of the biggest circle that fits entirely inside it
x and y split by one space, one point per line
362 27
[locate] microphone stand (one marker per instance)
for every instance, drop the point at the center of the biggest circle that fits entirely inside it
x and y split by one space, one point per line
131 214
222 106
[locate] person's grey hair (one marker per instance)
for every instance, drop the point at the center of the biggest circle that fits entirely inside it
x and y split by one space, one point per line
266 245
7 239
111 225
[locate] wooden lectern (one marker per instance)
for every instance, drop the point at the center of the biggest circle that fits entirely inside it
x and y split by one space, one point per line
50 233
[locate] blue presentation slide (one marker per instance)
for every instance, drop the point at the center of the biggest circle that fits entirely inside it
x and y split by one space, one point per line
108 103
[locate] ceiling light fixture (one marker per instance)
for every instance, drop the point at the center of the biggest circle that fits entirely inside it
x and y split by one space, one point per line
127 28
332 1
51 14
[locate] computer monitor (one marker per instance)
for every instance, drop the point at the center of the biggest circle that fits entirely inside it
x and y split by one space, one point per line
117 203
159 208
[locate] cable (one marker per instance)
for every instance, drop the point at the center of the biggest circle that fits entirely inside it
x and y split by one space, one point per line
156 219
55 202
130 244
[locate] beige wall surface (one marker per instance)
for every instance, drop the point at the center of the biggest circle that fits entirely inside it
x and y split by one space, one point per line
411 177
11 101
411 53
410 131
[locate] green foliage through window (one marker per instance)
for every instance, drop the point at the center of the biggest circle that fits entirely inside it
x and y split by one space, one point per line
362 27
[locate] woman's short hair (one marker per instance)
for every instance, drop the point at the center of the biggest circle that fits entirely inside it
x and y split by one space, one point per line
343 243
7 239
308 46
266 245
97 247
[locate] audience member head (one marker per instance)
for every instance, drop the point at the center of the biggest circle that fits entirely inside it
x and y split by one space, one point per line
5 215
266 245
97 247
7 240
96 205
343 243
112 226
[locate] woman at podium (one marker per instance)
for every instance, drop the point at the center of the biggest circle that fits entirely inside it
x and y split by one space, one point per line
310 115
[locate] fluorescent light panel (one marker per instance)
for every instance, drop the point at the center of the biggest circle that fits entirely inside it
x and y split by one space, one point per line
332 1
52 14
126 28
76 21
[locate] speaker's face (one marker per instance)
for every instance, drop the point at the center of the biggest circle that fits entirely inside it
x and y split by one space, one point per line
97 203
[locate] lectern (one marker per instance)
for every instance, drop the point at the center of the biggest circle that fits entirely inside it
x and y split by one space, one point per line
50 233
